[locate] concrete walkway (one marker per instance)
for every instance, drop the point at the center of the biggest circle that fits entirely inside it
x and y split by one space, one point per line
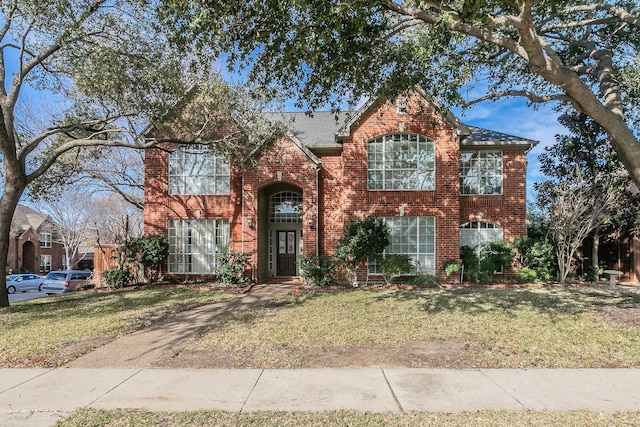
146 346
40 397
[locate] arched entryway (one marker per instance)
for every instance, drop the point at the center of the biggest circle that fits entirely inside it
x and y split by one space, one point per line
281 233
28 257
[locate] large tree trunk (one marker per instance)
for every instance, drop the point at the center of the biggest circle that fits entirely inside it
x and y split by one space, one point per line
8 202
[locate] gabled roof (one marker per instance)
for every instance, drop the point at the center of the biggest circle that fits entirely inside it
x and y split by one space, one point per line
25 218
460 128
316 132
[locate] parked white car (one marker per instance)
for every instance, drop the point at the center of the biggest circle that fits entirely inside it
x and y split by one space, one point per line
24 283
61 281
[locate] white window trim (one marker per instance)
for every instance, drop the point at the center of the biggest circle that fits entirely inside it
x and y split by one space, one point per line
181 254
414 256
384 139
477 193
178 181
46 239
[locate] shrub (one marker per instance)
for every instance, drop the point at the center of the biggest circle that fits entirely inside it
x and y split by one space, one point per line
451 267
470 264
361 239
395 265
116 277
232 267
316 271
543 274
526 275
150 251
495 256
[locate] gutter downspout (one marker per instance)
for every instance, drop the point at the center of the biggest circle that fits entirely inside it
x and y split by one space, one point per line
242 212
317 208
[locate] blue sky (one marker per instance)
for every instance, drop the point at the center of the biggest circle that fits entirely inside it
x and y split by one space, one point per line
514 117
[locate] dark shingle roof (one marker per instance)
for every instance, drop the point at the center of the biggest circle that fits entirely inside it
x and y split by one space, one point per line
486 137
317 131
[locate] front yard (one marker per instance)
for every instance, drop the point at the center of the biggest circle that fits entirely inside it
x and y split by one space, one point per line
551 327
52 331
582 327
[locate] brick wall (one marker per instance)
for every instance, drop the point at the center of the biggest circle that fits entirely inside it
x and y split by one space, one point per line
349 197
338 192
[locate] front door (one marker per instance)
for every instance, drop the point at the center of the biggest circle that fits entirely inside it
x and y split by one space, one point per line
286 253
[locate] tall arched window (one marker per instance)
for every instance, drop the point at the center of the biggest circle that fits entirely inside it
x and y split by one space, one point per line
285 207
401 161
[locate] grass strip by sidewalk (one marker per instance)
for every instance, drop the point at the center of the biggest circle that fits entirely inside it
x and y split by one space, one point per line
90 418
34 332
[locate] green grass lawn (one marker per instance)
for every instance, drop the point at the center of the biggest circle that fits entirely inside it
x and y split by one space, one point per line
501 328
32 332
526 328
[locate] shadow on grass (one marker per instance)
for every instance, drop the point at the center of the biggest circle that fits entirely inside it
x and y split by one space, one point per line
87 304
478 300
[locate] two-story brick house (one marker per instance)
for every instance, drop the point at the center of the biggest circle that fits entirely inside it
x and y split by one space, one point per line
32 244
438 184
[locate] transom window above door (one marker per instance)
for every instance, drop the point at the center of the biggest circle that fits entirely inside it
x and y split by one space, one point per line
401 161
285 207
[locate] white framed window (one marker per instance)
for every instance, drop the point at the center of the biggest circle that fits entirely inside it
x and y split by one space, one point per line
481 172
414 236
476 233
45 263
285 207
401 161
194 169
45 239
195 245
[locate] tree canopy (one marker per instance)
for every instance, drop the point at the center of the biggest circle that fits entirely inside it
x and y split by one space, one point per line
77 76
585 56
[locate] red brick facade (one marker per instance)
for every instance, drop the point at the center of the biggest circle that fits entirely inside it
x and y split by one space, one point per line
25 251
334 188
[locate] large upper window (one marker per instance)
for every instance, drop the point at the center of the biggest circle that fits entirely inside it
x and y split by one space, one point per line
194 169
401 161
45 239
414 236
195 245
481 172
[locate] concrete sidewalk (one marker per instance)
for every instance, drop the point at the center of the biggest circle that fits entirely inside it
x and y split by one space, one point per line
40 397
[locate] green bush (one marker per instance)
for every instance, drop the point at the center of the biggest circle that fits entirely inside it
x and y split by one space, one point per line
232 265
495 256
526 275
316 271
451 267
116 277
150 251
395 265
361 239
543 274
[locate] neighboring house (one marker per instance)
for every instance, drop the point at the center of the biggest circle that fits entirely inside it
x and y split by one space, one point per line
438 183
32 246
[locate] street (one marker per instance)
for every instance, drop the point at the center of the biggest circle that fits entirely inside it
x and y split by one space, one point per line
23 296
